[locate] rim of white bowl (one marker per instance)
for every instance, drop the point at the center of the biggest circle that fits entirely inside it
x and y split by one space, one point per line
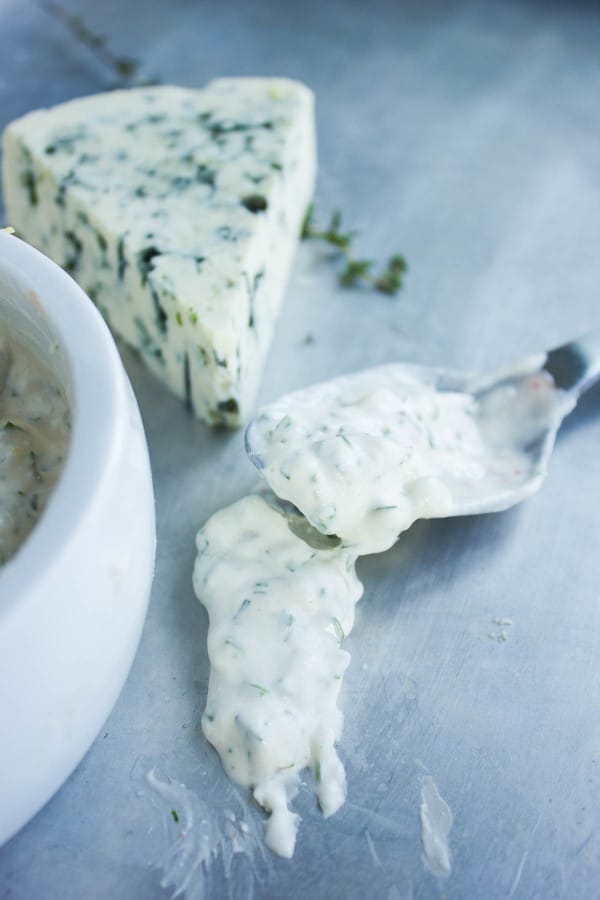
97 395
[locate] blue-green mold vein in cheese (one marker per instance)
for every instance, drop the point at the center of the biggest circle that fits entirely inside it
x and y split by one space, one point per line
178 211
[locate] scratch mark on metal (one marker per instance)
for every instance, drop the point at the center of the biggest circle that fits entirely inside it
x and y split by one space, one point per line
372 850
594 645
585 843
377 819
521 865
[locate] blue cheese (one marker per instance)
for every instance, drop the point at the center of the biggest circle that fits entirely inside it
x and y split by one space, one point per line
178 211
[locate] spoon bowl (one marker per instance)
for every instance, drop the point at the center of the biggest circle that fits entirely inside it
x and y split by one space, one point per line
421 441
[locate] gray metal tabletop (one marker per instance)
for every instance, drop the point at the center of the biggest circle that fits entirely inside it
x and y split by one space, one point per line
467 136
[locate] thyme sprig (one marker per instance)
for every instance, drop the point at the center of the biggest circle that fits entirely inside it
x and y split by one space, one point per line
356 271
125 67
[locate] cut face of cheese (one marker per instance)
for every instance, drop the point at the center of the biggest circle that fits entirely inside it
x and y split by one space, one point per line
178 211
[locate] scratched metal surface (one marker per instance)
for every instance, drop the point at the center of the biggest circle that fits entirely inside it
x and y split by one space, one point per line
466 135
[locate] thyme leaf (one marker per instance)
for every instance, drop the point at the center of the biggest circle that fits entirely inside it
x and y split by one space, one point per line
333 235
356 271
390 280
261 690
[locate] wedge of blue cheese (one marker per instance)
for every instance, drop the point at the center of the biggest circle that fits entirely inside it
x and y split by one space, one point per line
178 211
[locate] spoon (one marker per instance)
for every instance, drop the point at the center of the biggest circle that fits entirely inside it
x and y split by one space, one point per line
366 454
572 369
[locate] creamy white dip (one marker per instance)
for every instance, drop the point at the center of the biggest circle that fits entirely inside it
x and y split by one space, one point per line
366 455
34 439
361 458
279 610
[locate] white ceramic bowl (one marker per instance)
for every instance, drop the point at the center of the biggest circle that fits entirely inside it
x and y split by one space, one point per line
74 597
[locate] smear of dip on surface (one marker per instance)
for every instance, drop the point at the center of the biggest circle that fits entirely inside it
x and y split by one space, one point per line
361 458
366 455
436 822
201 837
279 610
34 439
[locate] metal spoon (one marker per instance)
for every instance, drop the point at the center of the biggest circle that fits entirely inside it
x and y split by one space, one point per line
564 373
573 367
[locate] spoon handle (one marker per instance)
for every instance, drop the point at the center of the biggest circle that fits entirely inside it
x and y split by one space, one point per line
576 366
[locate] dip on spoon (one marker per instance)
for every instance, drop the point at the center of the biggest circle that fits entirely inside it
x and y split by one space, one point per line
365 455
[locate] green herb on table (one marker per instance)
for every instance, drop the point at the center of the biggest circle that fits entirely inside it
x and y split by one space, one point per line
332 235
125 67
356 271
175 815
390 280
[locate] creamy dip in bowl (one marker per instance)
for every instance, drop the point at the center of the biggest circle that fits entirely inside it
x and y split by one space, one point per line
77 531
35 428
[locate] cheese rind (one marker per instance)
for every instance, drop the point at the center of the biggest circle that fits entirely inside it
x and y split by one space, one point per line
178 211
